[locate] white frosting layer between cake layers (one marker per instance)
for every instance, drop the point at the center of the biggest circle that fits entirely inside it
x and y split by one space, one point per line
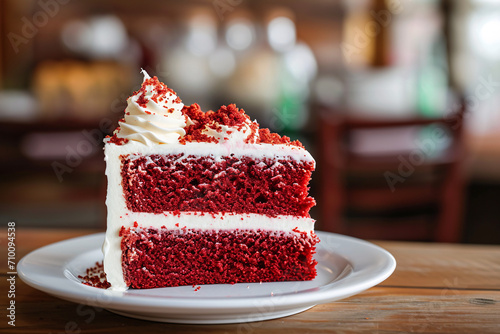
119 215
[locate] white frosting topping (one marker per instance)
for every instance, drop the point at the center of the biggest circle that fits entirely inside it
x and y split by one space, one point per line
153 116
226 133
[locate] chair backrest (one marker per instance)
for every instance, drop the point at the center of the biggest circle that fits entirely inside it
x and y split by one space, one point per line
368 164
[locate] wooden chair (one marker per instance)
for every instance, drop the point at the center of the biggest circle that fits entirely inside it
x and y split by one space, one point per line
398 195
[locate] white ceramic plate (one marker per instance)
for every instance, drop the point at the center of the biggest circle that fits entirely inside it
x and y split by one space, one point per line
346 266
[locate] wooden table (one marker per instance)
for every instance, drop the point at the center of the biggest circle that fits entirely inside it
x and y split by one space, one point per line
441 288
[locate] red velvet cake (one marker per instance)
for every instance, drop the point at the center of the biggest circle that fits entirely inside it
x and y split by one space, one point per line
203 197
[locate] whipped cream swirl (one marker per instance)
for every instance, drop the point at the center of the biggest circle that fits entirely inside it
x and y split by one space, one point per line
153 115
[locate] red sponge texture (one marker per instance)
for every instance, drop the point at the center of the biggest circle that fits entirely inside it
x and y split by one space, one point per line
157 183
159 257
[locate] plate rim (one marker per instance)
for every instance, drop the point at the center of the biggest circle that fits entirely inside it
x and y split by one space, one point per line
113 299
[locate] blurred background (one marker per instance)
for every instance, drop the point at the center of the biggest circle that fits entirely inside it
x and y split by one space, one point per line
397 100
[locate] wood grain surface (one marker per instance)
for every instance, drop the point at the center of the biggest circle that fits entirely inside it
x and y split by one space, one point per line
436 288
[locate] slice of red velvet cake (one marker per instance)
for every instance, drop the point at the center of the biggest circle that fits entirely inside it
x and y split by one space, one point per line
203 198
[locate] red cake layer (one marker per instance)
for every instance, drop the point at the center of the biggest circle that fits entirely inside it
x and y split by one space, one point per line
155 184
159 258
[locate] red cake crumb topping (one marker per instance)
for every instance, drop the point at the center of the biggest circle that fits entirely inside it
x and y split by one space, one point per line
267 137
114 139
161 92
195 113
229 116
95 277
194 131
